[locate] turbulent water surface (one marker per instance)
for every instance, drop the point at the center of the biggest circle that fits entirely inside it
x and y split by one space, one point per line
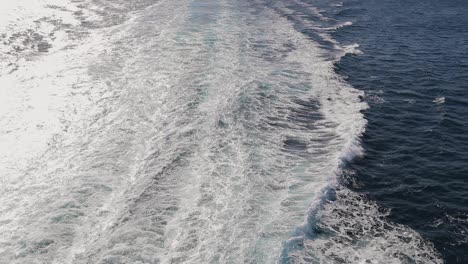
183 131
414 73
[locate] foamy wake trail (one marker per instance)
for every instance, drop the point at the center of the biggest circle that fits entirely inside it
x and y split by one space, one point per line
181 132
352 229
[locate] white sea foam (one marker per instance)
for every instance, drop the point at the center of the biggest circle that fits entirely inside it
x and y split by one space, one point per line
352 49
339 25
345 24
324 32
24 13
312 9
439 100
191 133
233 192
28 27
352 229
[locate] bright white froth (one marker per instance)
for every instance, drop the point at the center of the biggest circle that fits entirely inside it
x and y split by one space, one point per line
352 229
194 132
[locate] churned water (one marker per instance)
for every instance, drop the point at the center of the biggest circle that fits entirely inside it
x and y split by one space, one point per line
211 131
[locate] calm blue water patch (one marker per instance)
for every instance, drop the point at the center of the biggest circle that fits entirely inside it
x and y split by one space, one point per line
414 71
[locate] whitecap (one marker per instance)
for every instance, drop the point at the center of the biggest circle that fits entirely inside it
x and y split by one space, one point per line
352 49
439 100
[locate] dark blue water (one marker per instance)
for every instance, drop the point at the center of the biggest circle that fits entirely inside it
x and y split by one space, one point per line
414 72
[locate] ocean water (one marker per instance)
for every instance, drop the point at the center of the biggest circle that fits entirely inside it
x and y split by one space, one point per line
183 131
414 71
